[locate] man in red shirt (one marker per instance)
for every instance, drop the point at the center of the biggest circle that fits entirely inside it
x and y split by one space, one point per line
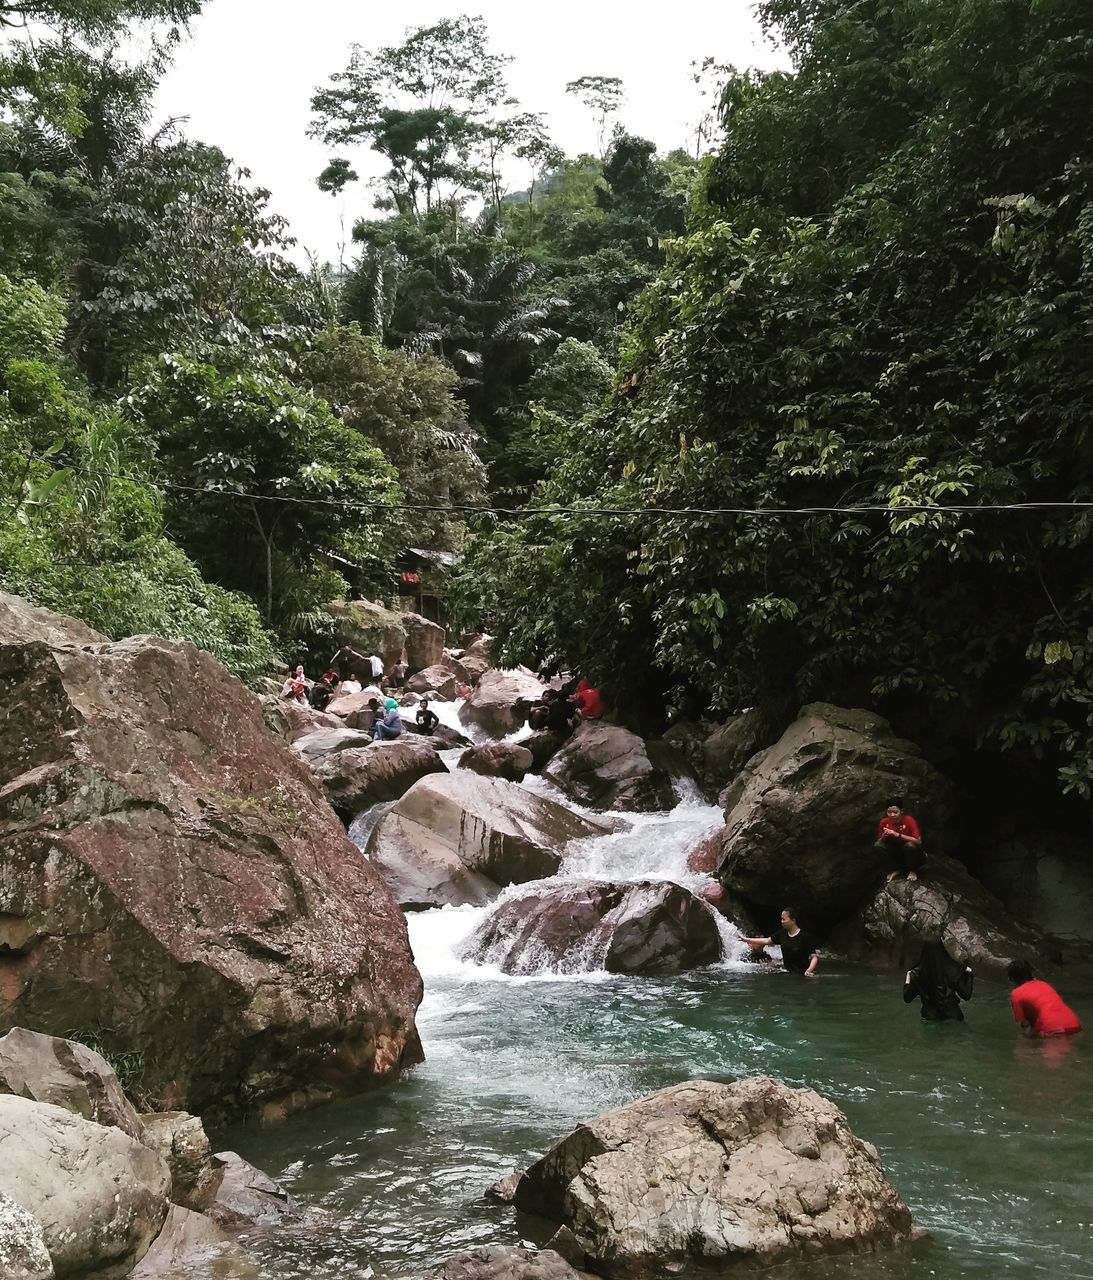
899 837
1037 1006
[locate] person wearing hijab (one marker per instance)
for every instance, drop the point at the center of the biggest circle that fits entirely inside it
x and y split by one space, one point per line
391 724
940 982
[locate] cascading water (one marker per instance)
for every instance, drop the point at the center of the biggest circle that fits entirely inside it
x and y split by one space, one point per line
986 1135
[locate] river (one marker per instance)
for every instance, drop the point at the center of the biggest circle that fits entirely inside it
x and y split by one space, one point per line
986 1135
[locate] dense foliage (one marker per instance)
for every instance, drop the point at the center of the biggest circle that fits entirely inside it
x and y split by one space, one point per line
883 299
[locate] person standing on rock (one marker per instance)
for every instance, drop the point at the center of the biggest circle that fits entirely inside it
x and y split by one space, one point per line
940 982
377 668
1037 1006
899 837
427 719
799 954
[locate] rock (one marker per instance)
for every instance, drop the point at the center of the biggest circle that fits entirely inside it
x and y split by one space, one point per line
346 708
369 628
543 745
505 1188
947 901
705 1176
66 1074
247 1197
291 720
437 680
475 659
458 838
490 706
191 1245
99 1196
505 1262
644 927
23 1252
1045 878
606 766
362 776
181 1140
452 664
18 617
173 872
683 743
705 853
424 641
499 760
801 819
327 742
729 748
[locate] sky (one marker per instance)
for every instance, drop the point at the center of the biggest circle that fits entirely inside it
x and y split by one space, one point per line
245 75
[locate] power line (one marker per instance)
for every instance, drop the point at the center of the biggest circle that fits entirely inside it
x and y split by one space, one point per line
614 512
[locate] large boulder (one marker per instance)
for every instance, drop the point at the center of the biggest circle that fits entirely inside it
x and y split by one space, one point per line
644 927
543 745
100 1196
327 742
369 628
459 838
349 706
490 706
355 779
424 641
1046 877
181 1140
948 902
801 818
172 872
191 1246
606 766
66 1074
729 748
437 680
704 1176
291 719
508 760
475 659
23 1252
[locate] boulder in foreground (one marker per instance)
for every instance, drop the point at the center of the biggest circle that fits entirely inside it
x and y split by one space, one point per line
645 927
459 838
172 872
360 777
100 1196
706 1176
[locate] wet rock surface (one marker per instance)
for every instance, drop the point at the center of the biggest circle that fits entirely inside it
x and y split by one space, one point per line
704 1176
504 1262
804 813
172 872
948 902
642 927
507 760
490 706
362 776
191 1246
459 838
181 1140
608 767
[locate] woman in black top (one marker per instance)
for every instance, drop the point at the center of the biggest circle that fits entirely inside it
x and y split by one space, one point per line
940 982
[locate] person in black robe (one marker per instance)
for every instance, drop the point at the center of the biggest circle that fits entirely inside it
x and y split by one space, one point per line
940 982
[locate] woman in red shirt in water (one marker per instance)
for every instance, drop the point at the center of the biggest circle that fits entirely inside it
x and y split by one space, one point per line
1037 1006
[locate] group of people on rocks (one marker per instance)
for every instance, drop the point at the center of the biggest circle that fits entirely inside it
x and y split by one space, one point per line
561 710
939 982
341 681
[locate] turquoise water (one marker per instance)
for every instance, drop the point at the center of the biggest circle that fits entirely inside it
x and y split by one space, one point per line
988 1137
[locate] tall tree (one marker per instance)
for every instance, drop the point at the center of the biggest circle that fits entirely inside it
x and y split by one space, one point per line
603 96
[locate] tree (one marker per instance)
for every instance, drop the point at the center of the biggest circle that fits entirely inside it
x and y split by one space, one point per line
423 105
264 482
603 96
94 19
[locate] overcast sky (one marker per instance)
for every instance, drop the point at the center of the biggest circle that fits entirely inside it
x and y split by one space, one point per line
246 73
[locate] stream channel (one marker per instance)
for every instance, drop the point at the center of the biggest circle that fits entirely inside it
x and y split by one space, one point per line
988 1137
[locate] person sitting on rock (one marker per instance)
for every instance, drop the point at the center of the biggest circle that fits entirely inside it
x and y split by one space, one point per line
559 714
799 954
1037 1006
463 691
899 838
390 726
588 701
940 982
427 719
322 691
295 686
